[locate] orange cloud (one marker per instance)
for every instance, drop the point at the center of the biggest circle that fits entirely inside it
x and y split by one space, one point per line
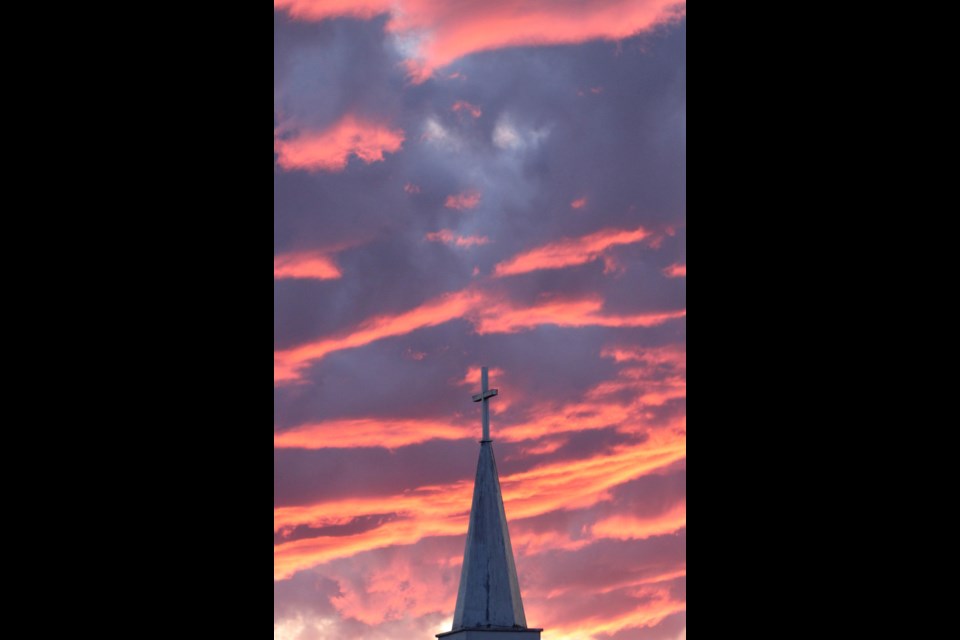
381 432
569 252
654 377
411 188
504 317
329 150
442 31
304 265
651 605
443 510
673 355
486 311
472 109
527 541
631 527
676 271
465 200
401 585
578 203
448 237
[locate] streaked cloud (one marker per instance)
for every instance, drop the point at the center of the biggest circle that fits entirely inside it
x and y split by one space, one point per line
569 252
444 510
487 313
434 33
518 210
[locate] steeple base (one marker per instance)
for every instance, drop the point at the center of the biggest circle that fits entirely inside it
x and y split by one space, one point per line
491 634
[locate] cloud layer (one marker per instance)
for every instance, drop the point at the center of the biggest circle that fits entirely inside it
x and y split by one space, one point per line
467 184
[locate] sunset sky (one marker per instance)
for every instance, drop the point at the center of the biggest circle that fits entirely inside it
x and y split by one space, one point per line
458 184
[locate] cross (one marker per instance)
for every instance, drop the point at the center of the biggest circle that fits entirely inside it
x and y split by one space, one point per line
484 395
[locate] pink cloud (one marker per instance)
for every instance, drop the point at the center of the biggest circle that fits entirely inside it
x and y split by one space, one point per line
472 377
440 510
569 252
466 200
578 203
305 265
676 271
323 9
330 149
472 109
444 31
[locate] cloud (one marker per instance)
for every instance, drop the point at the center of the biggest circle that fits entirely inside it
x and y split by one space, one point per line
305 265
375 432
434 33
381 432
444 509
676 271
569 251
463 105
578 203
460 201
510 136
487 312
447 236
323 9
352 526
623 402
437 311
472 377
330 149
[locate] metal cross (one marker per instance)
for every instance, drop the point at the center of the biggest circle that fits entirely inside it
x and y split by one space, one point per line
485 395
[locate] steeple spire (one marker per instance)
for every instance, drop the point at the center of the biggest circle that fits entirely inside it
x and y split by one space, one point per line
489 606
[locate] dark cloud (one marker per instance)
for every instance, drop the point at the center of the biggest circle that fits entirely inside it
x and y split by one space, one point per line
360 524
309 476
601 121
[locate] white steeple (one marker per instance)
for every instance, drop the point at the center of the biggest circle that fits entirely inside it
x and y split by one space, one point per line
489 606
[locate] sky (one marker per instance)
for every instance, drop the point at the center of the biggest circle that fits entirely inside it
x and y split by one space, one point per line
466 184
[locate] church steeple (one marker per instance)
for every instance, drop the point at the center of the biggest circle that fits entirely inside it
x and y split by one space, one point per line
488 602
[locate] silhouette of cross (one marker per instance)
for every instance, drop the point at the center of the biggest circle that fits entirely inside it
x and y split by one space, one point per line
485 395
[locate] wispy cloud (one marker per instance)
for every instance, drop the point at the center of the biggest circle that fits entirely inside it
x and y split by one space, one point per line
447 236
466 200
466 107
569 252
